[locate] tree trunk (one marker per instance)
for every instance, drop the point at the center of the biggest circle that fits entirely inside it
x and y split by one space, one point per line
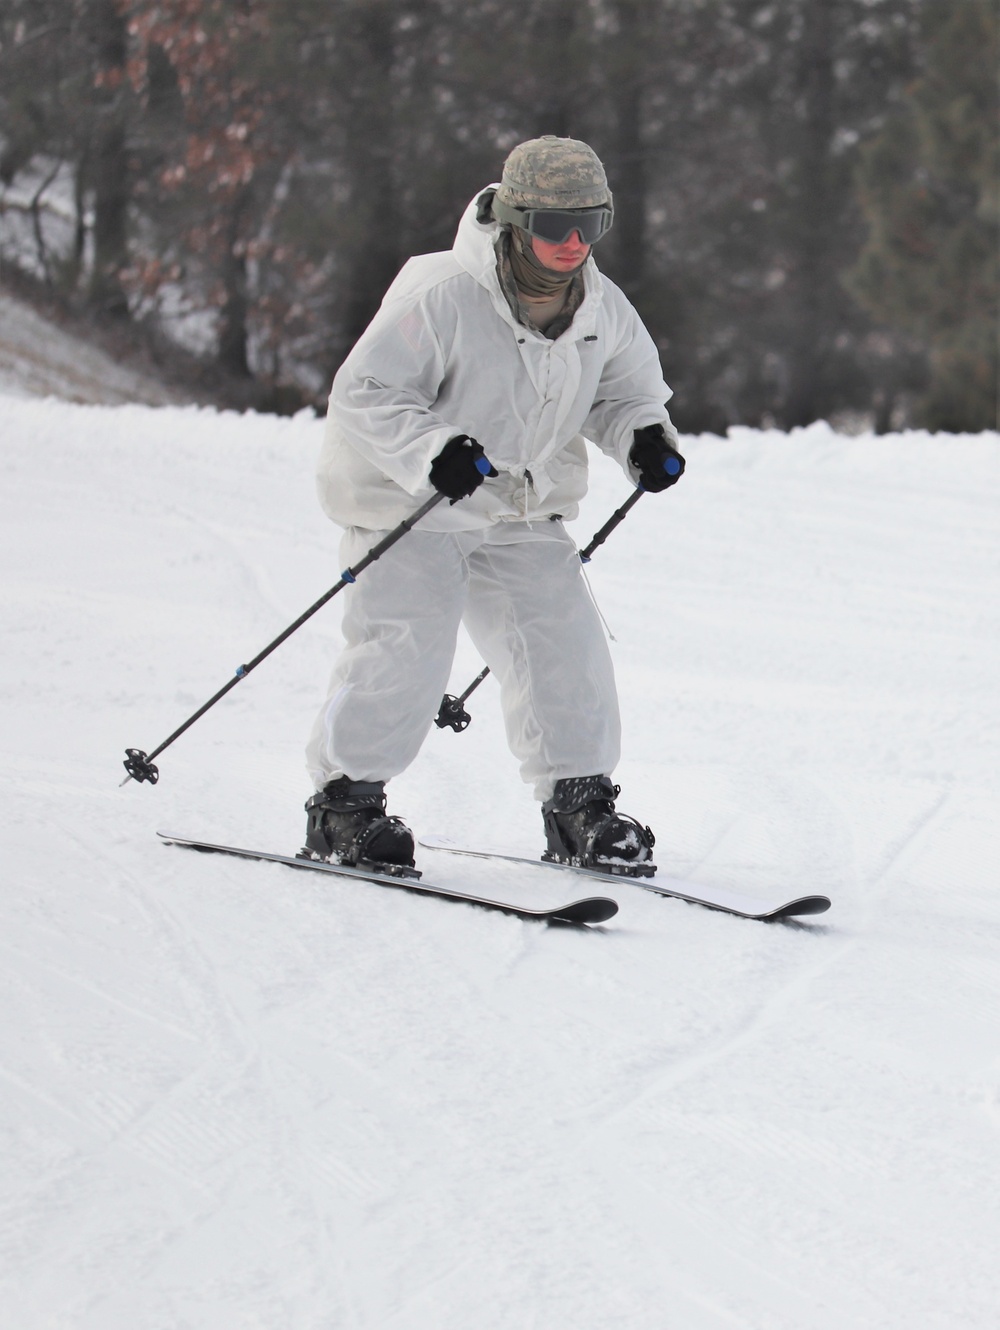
377 220
233 353
109 170
628 167
552 49
814 273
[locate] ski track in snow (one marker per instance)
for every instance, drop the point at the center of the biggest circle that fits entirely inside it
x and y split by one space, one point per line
236 1096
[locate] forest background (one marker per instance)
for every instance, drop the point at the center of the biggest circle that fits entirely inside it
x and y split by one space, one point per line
807 191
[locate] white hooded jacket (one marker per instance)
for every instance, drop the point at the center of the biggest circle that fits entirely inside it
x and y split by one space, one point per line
445 355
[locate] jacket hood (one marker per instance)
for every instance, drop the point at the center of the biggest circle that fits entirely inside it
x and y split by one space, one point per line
474 244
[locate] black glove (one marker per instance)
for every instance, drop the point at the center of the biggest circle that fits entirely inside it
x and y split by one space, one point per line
658 463
454 471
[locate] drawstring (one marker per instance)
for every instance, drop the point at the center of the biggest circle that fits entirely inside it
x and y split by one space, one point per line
593 598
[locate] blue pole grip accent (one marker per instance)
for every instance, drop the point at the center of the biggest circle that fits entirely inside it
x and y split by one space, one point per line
347 576
240 671
671 466
484 466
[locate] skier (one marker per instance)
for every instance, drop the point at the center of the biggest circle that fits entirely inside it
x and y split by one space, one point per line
510 347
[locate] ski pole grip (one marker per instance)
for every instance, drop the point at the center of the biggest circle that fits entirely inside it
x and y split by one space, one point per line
671 465
483 465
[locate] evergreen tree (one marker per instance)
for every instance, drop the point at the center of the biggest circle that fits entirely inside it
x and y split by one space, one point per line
930 189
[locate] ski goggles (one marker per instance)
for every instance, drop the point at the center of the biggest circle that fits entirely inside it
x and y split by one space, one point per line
555 225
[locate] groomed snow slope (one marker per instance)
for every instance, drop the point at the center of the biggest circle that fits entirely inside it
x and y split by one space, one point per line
235 1096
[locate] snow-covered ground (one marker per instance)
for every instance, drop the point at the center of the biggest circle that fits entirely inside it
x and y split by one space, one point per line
235 1096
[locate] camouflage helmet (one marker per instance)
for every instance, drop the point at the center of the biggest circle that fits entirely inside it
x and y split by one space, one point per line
553 173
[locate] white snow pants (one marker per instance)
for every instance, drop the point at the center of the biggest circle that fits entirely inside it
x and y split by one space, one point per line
520 591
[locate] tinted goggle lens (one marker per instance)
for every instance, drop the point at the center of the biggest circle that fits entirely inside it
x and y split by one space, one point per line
557 227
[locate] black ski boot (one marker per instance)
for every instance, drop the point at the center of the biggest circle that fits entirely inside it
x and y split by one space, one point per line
583 828
347 824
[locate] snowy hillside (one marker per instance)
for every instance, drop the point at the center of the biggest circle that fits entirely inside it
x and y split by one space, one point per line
38 359
233 1096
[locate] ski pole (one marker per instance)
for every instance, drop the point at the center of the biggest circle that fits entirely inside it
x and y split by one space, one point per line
617 516
452 714
139 765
